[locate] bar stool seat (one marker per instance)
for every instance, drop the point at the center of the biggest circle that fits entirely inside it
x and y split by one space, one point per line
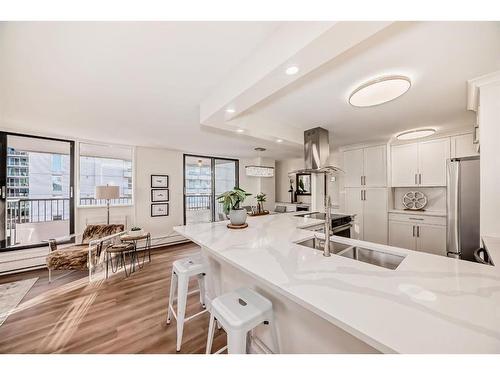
239 312
118 251
182 271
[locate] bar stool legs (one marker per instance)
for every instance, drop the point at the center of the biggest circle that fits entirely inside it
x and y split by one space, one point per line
239 312
182 271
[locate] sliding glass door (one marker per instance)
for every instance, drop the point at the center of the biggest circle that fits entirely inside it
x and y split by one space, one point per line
36 177
204 179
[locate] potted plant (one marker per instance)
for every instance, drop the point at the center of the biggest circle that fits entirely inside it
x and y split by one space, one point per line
261 198
231 205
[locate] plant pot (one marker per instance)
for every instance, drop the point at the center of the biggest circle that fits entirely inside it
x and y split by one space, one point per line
238 216
136 233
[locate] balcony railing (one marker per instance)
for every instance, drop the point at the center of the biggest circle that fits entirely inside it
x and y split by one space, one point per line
202 203
102 202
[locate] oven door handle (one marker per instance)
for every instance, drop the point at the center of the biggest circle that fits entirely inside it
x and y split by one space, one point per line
341 228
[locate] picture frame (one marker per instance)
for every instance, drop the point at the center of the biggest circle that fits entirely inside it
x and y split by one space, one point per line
159 181
303 183
159 209
160 195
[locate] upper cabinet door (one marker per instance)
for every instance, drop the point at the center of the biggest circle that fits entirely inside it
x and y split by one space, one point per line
375 166
432 156
463 145
404 161
353 167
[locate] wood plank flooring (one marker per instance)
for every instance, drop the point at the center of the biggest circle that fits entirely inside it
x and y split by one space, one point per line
118 315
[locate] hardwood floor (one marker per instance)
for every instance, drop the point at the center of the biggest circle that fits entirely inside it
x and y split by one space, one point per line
118 315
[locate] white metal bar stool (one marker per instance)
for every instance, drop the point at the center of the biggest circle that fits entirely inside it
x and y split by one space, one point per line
239 312
182 271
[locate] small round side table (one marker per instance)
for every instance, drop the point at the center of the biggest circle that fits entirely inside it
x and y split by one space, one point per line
134 239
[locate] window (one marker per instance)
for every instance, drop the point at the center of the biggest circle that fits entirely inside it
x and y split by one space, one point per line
56 163
105 165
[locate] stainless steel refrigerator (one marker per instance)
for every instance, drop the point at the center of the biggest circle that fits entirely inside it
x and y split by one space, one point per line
463 207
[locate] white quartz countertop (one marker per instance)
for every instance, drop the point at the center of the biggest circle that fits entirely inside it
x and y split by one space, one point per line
422 213
429 304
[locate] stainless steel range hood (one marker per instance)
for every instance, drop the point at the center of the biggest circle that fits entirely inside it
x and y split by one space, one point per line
317 152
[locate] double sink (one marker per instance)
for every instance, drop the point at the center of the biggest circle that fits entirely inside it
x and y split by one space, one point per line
375 257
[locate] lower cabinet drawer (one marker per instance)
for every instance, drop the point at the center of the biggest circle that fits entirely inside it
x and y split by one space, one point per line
417 219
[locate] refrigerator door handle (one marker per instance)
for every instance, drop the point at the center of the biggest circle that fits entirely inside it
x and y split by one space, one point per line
453 207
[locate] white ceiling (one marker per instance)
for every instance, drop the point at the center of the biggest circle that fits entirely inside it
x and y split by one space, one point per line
142 83
126 82
439 57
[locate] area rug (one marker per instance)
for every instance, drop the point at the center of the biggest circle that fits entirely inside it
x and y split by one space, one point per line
11 295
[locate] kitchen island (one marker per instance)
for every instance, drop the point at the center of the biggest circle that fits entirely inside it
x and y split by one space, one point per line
428 304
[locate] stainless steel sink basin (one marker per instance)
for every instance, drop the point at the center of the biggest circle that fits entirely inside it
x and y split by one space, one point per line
319 243
377 258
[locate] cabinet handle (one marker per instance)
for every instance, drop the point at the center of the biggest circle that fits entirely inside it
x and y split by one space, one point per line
361 180
418 231
416 179
364 180
364 195
361 191
413 230
420 179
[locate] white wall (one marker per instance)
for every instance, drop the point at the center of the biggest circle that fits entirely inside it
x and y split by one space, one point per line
489 122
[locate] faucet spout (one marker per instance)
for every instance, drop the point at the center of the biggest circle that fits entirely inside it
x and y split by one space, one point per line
328 224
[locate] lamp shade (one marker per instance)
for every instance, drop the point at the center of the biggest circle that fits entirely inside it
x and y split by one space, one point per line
107 192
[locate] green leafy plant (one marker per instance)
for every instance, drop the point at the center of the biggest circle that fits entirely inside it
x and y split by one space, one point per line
261 197
231 199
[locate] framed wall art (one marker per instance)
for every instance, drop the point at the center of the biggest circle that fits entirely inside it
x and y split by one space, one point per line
159 209
159 181
159 195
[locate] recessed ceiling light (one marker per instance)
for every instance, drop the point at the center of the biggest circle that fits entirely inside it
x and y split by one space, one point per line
279 140
240 130
380 90
230 110
414 134
291 70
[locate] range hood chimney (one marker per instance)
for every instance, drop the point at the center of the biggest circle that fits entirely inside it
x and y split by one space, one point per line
317 152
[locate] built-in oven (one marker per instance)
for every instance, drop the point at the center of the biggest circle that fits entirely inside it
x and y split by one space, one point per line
341 226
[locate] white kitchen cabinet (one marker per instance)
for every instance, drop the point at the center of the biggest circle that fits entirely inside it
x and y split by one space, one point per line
375 166
418 232
431 239
366 167
353 167
420 163
463 146
402 235
432 157
370 207
404 162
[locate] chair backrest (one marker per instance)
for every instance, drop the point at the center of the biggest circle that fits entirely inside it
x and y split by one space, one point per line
98 231
280 209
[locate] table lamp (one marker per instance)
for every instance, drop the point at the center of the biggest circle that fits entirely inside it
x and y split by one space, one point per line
107 192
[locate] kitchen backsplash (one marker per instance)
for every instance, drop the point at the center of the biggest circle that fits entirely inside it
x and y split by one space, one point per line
436 197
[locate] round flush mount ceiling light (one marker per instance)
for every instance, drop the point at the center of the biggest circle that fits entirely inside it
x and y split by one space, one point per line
239 130
230 110
380 90
414 134
291 70
279 141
